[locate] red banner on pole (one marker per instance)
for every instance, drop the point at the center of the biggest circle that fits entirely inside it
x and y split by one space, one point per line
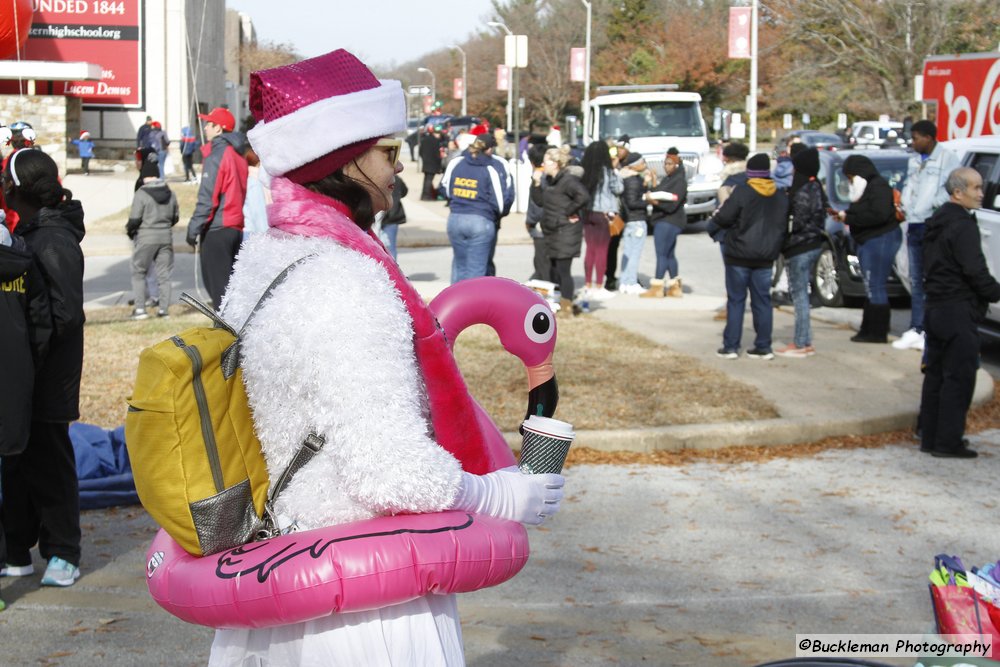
458 89
739 32
503 77
577 64
107 32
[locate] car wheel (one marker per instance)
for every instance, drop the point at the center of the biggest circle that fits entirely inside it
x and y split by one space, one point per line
825 282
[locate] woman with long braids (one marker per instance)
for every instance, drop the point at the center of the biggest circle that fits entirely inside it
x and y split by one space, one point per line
604 185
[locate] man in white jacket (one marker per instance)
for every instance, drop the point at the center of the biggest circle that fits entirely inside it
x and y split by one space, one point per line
922 195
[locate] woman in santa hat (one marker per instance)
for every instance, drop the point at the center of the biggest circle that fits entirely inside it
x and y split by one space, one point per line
338 350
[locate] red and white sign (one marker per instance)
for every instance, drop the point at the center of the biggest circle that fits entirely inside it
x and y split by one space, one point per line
106 32
458 89
503 77
577 64
966 89
739 32
428 103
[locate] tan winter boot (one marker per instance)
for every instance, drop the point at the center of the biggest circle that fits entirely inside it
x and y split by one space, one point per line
674 287
565 309
655 290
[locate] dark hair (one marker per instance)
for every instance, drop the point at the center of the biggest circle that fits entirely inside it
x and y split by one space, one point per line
795 149
536 154
351 193
924 127
736 150
596 160
38 176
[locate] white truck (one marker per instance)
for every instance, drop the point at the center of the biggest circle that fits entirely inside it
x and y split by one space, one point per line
656 118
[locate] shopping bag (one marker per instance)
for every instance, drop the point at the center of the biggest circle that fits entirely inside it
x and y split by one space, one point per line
958 610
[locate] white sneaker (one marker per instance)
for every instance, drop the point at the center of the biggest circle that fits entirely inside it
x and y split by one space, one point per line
910 340
632 289
17 570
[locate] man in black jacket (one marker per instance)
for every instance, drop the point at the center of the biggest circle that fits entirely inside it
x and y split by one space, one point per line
755 222
957 290
430 161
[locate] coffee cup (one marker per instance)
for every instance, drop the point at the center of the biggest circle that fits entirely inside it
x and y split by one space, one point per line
545 445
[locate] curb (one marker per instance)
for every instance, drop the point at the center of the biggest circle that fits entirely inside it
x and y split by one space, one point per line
763 432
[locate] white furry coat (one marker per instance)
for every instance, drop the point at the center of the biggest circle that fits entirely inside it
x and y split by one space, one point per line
331 352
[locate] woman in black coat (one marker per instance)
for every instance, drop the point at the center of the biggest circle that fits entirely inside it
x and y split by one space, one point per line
41 495
564 200
668 220
871 219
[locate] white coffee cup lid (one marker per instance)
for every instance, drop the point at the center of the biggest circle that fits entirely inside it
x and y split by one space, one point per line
550 427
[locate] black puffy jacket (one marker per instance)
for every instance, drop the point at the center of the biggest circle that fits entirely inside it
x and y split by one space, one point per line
954 267
874 214
562 197
807 220
671 211
23 303
53 236
755 224
633 198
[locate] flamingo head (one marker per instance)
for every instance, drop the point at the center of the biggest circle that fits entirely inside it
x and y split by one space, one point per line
522 319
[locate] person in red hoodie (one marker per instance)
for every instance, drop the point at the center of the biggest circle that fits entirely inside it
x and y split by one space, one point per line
217 222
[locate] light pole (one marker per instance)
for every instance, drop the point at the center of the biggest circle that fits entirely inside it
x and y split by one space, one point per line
753 77
512 73
433 85
586 72
465 83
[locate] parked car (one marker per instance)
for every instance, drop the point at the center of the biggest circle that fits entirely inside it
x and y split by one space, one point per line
983 155
873 134
824 141
837 274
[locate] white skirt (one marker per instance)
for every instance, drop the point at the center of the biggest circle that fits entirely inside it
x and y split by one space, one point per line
425 631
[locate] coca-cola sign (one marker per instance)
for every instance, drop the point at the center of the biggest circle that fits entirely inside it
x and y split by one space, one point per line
967 91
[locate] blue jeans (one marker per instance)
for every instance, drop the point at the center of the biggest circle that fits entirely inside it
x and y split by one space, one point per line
665 242
915 251
471 238
161 159
740 279
633 238
388 238
876 256
799 273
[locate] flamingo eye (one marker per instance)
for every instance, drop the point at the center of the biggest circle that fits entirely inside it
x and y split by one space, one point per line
538 324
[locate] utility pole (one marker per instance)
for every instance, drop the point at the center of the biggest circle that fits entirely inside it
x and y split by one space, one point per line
465 83
586 71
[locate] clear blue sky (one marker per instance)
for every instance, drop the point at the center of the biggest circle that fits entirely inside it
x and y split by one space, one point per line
377 31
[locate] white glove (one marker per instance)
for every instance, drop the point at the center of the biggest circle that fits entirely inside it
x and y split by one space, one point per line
510 494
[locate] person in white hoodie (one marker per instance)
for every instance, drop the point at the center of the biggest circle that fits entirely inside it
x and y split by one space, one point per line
923 194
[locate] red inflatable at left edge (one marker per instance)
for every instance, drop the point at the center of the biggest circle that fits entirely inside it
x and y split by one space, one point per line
15 23
382 561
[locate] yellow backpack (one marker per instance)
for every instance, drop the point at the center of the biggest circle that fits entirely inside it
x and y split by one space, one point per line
198 465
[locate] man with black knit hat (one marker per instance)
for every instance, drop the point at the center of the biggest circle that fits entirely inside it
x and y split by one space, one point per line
754 222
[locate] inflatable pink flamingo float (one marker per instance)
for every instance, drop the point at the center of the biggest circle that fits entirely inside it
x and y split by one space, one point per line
386 560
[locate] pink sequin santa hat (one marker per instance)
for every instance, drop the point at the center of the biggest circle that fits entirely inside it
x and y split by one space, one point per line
317 115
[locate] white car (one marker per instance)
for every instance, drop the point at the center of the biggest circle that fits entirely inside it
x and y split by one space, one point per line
872 133
983 155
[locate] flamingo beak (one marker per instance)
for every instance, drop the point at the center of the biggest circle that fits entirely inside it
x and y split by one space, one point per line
544 393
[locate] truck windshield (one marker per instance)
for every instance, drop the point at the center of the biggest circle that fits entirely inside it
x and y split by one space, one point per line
651 119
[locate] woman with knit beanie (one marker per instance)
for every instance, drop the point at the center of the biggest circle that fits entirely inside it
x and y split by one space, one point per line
339 349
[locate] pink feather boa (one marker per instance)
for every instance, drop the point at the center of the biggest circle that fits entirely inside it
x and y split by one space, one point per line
297 210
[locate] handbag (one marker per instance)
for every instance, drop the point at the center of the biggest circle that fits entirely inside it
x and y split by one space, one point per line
615 224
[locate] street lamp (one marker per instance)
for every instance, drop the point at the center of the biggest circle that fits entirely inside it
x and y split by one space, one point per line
433 83
513 73
465 84
586 71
